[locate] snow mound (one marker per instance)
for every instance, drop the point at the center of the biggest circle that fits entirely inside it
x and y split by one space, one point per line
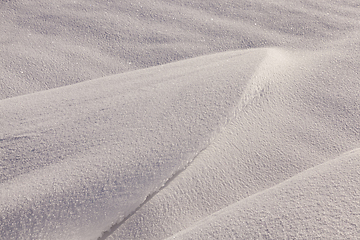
299 110
79 158
321 202
169 149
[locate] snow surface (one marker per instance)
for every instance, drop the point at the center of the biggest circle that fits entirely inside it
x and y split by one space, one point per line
106 144
321 202
297 118
257 142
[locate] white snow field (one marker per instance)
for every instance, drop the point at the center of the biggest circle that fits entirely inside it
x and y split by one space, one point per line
298 111
224 120
46 43
316 203
75 159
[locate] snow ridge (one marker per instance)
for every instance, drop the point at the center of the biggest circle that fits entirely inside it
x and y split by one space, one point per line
317 186
270 140
275 62
107 233
123 143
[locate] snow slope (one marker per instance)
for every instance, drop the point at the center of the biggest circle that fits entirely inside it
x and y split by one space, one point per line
76 159
299 110
47 44
321 202
154 151
255 143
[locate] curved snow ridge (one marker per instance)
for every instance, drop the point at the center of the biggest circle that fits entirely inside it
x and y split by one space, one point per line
300 207
96 150
285 125
116 225
275 63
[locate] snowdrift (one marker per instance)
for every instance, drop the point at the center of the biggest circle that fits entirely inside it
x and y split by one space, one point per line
321 202
79 158
47 44
178 147
256 143
299 110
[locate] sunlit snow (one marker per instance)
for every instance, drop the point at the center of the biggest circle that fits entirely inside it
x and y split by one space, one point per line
179 120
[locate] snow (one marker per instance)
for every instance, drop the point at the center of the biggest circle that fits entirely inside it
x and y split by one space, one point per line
253 135
320 202
107 144
295 122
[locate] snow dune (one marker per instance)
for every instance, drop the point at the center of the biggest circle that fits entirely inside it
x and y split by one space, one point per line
321 202
76 159
299 110
258 140
178 147
47 44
